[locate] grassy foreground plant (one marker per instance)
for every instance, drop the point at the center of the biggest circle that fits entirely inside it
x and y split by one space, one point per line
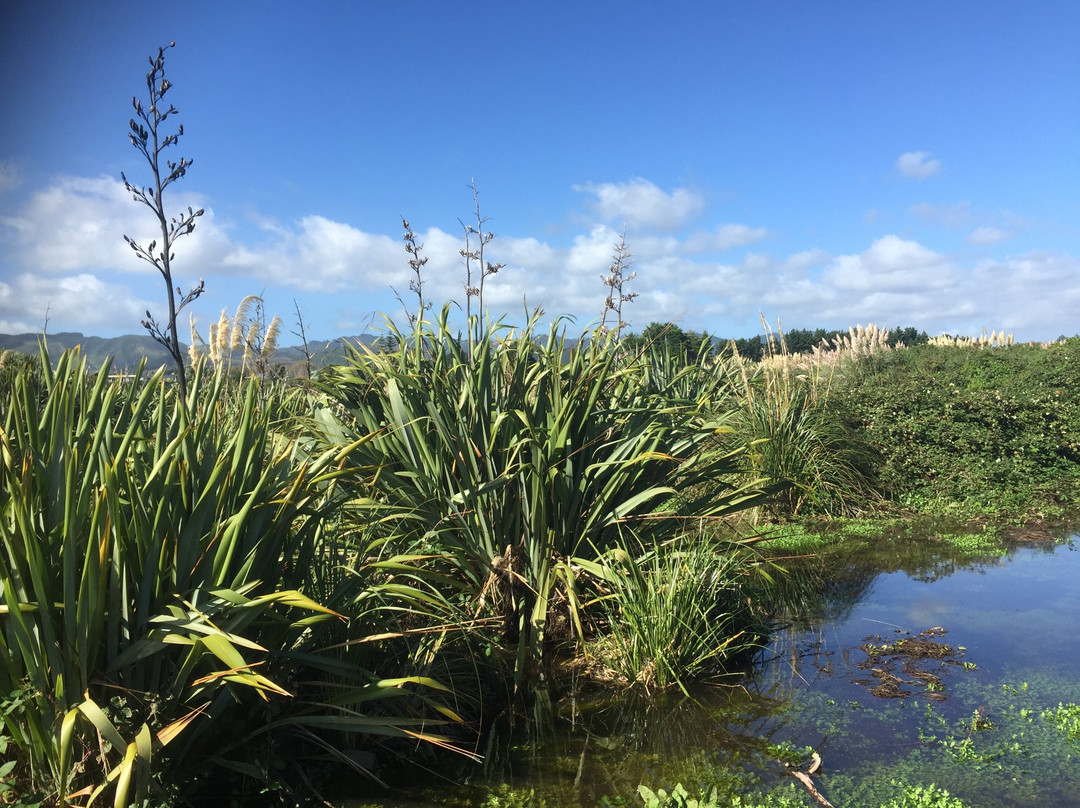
802 439
153 558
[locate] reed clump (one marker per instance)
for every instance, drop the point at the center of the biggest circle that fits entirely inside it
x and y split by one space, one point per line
802 440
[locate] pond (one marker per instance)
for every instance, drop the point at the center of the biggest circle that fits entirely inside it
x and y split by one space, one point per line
958 669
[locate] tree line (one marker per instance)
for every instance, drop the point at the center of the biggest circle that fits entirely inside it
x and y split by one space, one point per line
696 345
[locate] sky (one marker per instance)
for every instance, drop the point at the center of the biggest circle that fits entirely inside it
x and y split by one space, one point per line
815 164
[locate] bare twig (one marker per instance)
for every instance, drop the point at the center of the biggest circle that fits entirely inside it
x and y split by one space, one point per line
302 333
808 782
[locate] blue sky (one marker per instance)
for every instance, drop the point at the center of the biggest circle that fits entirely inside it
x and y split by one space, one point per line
821 164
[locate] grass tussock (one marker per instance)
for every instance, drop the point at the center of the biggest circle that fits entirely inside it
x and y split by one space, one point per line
674 614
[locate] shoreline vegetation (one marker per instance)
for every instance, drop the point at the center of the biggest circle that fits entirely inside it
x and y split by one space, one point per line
413 552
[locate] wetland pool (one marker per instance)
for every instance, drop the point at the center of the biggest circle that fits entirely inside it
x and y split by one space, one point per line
890 670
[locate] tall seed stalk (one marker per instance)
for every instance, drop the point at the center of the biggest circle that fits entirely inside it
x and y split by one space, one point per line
145 134
477 268
615 280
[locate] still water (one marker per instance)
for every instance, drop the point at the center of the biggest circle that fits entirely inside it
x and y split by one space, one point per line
924 667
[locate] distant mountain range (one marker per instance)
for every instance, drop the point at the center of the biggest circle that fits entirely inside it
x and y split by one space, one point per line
129 350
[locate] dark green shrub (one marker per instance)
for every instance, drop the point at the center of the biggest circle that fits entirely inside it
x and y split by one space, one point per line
968 430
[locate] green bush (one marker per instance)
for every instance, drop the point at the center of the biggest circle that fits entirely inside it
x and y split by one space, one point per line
971 431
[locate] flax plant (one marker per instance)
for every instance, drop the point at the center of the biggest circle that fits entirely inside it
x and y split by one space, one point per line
153 561
517 458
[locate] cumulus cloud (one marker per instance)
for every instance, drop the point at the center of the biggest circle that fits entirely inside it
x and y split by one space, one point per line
892 264
642 204
63 252
28 300
321 255
1037 291
802 261
79 223
724 237
917 165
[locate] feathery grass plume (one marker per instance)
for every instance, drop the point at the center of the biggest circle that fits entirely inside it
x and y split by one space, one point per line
212 342
247 332
249 347
270 340
857 344
994 339
223 357
240 320
197 347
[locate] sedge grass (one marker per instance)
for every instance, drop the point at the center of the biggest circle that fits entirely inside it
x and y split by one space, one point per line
676 613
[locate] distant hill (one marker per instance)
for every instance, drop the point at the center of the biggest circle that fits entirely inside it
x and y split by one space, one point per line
127 351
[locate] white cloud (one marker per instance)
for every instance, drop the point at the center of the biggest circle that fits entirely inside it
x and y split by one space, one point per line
1036 292
642 204
84 299
321 255
78 224
801 261
917 165
65 253
893 264
988 235
957 215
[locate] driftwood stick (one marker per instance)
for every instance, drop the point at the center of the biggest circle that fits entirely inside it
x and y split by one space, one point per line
808 782
805 779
